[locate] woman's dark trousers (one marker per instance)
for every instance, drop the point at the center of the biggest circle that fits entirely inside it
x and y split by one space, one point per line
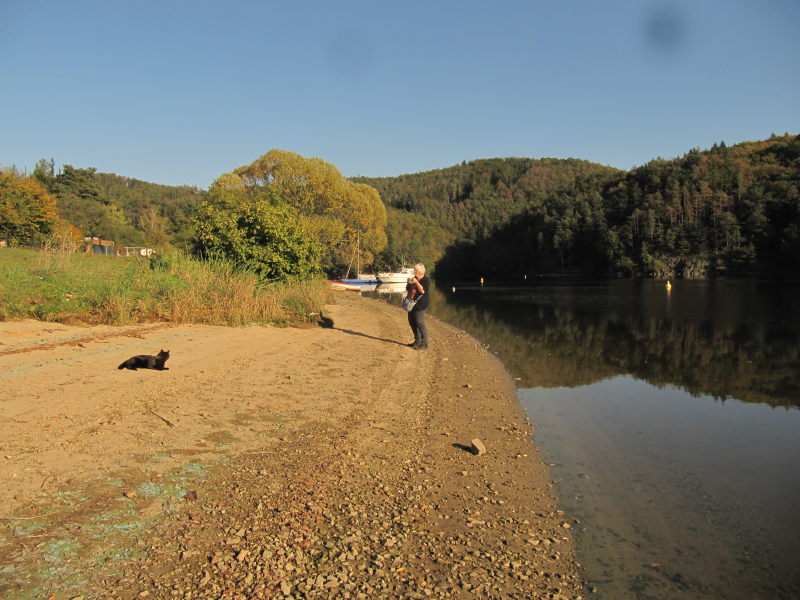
416 319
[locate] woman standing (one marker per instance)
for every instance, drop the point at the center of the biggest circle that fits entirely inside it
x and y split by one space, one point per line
421 283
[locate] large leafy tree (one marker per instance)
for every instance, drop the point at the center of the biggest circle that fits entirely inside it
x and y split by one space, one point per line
258 232
27 210
338 212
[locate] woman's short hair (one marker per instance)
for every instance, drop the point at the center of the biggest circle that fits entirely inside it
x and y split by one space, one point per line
420 267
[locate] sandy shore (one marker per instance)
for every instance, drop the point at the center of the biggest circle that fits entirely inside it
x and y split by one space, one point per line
270 462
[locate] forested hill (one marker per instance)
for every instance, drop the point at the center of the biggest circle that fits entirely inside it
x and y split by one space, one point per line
727 209
465 203
157 210
126 210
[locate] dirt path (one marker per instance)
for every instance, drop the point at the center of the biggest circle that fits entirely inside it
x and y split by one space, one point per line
270 462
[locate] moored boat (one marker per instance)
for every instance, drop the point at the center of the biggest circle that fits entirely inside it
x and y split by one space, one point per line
367 280
341 285
401 276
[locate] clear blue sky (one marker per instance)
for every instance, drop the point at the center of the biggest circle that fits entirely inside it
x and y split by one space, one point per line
179 92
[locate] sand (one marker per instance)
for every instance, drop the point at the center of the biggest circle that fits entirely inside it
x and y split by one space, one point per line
271 462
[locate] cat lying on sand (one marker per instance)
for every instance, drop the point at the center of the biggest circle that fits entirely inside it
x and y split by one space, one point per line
145 361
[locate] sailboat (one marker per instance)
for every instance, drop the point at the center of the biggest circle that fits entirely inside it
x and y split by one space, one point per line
362 279
401 276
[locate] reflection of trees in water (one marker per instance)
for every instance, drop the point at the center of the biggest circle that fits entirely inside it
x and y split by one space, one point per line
552 346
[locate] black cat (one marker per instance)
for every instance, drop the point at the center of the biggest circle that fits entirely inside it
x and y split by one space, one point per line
145 361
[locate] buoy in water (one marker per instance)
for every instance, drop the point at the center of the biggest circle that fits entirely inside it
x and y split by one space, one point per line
669 285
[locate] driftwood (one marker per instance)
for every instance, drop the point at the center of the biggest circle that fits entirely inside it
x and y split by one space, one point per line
160 417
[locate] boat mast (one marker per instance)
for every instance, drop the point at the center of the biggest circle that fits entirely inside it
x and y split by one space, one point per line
357 254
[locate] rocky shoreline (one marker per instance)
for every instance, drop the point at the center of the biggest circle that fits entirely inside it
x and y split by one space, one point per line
376 494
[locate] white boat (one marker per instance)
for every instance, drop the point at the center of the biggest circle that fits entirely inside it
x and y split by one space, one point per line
401 276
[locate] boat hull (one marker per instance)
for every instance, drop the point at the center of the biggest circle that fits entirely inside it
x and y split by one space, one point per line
401 276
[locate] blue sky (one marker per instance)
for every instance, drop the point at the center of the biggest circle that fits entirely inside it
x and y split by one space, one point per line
179 92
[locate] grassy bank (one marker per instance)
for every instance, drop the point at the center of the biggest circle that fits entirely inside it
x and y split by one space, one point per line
64 286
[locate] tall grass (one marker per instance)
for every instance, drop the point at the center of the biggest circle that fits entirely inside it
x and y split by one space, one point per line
54 285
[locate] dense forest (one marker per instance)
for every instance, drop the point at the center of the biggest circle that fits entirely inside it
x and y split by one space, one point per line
727 209
465 204
162 213
128 211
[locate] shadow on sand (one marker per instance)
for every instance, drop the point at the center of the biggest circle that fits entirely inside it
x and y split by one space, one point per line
469 449
372 337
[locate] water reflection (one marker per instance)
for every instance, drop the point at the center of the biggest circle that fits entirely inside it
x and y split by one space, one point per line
683 491
678 496
725 339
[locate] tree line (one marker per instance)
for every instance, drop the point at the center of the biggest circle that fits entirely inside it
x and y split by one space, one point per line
91 204
728 209
733 209
459 206
282 216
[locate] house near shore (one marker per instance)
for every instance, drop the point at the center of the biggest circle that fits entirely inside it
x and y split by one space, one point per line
95 245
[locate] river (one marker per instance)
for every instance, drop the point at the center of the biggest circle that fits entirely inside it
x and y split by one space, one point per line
670 419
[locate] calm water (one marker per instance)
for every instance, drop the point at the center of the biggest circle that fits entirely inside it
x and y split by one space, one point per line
672 423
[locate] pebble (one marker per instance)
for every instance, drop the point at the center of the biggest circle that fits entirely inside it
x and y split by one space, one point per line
371 520
477 447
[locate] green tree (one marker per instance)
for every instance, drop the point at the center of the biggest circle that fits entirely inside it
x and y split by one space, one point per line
259 233
337 211
76 182
154 228
45 172
81 202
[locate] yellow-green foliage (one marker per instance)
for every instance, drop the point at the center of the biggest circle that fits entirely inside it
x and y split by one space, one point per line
173 288
27 210
336 211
